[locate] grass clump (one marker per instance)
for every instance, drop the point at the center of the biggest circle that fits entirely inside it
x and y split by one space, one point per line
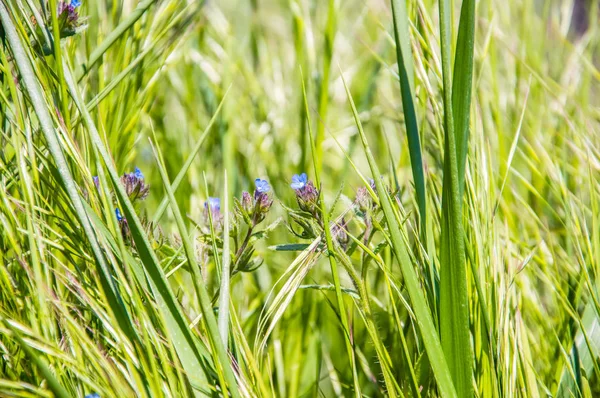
322 199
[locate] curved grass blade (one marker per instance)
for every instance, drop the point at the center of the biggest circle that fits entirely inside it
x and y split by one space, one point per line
53 383
422 314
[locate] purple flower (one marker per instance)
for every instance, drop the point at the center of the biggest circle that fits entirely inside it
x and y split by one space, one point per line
96 181
118 214
135 186
299 181
262 186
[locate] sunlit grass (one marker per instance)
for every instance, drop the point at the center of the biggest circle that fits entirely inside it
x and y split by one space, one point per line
417 265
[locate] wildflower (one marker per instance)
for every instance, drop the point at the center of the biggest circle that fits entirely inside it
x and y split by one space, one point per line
263 200
363 200
213 205
307 194
338 231
262 186
96 182
298 181
138 173
93 395
68 18
247 202
118 214
135 185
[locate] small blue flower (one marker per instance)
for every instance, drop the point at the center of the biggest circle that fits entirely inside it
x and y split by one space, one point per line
75 4
262 186
298 181
214 203
96 181
138 173
118 214
93 395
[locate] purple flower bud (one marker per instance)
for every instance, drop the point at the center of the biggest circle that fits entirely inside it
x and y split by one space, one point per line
247 202
363 199
135 186
214 206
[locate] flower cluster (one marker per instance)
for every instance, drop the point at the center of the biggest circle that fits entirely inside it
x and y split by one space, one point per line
307 194
68 18
255 207
69 24
135 186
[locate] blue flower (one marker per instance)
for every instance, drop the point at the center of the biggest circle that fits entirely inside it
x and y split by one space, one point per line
93 395
96 181
118 214
214 203
298 181
138 173
262 186
75 4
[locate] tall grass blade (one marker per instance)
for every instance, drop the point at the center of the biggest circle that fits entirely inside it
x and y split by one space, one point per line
404 57
461 83
422 314
454 298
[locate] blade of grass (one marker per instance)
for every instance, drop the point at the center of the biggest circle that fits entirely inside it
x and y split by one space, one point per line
53 383
188 162
461 83
454 298
422 314
223 320
117 33
229 382
407 88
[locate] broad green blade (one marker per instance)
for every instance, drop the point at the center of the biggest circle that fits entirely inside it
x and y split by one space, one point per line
407 89
454 298
461 83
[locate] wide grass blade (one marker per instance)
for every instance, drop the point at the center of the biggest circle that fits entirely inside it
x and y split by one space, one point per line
461 83
423 316
404 57
454 297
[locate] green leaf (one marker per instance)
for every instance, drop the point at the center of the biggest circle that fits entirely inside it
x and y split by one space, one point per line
454 298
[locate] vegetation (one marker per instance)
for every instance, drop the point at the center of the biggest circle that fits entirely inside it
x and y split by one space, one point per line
299 198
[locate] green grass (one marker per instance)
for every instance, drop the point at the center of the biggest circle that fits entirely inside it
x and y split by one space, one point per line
469 266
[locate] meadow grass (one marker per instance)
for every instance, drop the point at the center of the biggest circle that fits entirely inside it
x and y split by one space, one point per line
158 238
